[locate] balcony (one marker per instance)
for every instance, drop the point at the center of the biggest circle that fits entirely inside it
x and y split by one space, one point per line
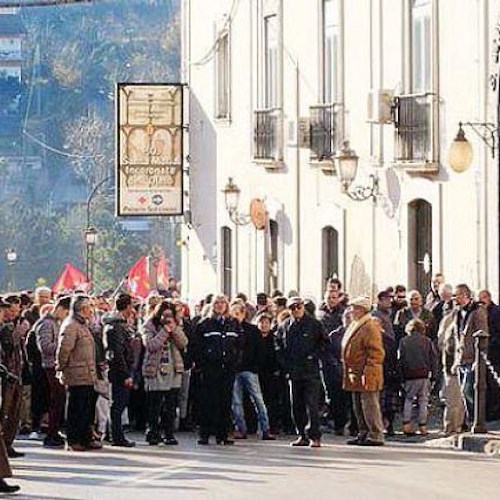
324 133
415 132
267 137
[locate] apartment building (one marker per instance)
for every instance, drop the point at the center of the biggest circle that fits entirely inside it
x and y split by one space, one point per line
277 87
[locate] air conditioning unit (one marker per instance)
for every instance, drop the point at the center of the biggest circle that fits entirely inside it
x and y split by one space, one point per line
380 104
304 133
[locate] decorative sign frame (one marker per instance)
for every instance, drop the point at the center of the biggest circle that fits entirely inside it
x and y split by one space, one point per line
149 152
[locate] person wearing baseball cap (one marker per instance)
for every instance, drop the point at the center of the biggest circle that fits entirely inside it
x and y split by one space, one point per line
302 341
363 357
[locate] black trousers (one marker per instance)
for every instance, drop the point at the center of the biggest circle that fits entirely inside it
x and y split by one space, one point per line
39 397
216 391
169 413
138 407
340 400
81 412
161 414
270 385
120 397
305 406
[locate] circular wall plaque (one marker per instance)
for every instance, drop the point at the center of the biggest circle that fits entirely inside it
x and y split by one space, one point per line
258 214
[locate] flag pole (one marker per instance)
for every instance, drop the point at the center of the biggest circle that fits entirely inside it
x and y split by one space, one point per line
117 289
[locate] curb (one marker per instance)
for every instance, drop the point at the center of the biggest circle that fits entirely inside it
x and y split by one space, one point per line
475 443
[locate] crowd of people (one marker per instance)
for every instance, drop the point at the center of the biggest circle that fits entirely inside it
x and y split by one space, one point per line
79 369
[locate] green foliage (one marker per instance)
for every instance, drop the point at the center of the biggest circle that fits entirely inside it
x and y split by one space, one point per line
75 57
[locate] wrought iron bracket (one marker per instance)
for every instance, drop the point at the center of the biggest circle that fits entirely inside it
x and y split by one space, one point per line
238 218
486 131
363 193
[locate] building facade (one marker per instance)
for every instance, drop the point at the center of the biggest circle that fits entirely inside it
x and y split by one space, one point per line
276 87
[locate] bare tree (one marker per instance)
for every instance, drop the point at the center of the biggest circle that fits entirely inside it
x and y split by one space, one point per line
90 140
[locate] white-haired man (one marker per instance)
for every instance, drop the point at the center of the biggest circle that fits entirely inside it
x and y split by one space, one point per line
363 357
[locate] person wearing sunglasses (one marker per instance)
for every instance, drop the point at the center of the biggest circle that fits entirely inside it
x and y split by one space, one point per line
302 342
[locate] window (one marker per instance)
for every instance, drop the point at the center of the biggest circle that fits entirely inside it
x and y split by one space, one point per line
271 62
223 77
331 46
416 113
421 41
419 244
273 255
227 261
330 251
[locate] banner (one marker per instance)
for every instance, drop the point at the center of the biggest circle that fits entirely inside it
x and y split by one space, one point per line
71 278
138 278
150 149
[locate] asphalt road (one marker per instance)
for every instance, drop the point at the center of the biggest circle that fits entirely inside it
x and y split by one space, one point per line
254 470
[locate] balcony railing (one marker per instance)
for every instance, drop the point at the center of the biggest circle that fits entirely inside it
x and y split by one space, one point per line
267 134
414 129
324 131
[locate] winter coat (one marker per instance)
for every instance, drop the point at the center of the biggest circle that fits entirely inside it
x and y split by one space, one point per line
301 344
417 357
251 349
117 337
268 359
76 356
47 337
404 316
494 328
385 321
163 353
12 338
447 343
217 345
391 367
330 318
476 318
363 356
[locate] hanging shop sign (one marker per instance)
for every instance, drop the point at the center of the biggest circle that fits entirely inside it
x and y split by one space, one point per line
149 149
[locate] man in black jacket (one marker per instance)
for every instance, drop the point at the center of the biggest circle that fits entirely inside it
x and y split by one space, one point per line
247 378
492 389
302 341
217 351
117 336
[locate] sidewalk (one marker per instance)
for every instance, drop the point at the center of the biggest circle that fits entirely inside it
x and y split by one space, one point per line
488 443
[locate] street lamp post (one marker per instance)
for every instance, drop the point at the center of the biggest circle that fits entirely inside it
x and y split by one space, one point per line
90 241
346 162
232 198
91 232
11 256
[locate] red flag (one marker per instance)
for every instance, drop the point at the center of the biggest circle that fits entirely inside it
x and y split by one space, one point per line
71 278
138 278
162 271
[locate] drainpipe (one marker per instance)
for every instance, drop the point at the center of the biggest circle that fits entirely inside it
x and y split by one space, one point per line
486 52
297 181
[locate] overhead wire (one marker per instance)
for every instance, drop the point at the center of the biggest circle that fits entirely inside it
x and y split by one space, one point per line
221 32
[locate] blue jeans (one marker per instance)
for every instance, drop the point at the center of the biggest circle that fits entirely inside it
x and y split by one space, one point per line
250 382
466 379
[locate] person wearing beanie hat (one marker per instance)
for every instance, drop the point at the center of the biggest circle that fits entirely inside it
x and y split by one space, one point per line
362 358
